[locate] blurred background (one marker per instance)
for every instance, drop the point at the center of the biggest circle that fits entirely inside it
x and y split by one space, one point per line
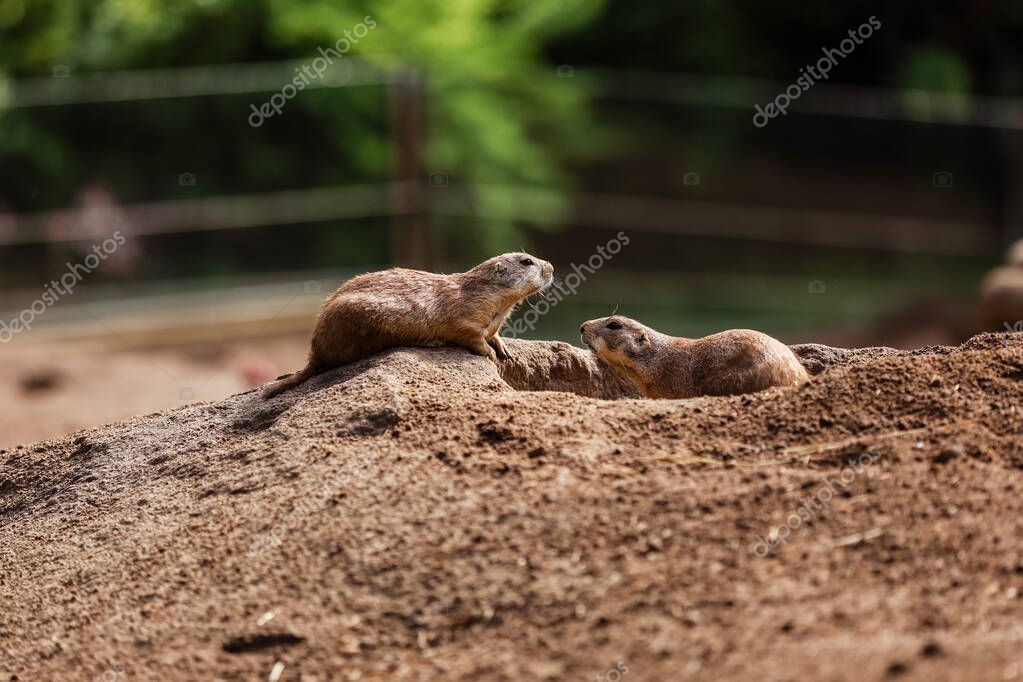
181 182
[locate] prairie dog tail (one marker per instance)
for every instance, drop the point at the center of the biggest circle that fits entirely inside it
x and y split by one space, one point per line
290 381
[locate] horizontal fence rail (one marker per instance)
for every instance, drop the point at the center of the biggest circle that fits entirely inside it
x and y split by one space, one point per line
668 215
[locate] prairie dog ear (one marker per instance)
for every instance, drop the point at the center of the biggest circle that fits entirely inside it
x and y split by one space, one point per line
499 266
641 338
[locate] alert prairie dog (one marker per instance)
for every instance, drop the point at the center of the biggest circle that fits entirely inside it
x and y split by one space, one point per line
400 307
1001 299
661 366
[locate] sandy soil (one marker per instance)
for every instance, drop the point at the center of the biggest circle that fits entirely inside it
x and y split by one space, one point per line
54 388
414 516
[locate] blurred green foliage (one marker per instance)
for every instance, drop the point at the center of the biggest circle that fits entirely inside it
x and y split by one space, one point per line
498 114
493 116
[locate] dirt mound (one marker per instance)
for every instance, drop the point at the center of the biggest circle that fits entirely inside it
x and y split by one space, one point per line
413 516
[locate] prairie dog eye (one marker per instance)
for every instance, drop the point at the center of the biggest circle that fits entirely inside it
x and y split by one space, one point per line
614 325
526 261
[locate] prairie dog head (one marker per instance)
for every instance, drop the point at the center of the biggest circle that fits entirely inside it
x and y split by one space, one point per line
520 273
1015 255
619 341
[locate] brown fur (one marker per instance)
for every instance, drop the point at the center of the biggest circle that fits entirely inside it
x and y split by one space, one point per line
1015 254
1001 298
399 307
661 366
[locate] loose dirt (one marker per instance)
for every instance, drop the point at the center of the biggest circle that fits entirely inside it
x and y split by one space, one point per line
414 516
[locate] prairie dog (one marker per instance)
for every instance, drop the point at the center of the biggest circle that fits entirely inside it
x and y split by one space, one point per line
1001 298
661 366
400 307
